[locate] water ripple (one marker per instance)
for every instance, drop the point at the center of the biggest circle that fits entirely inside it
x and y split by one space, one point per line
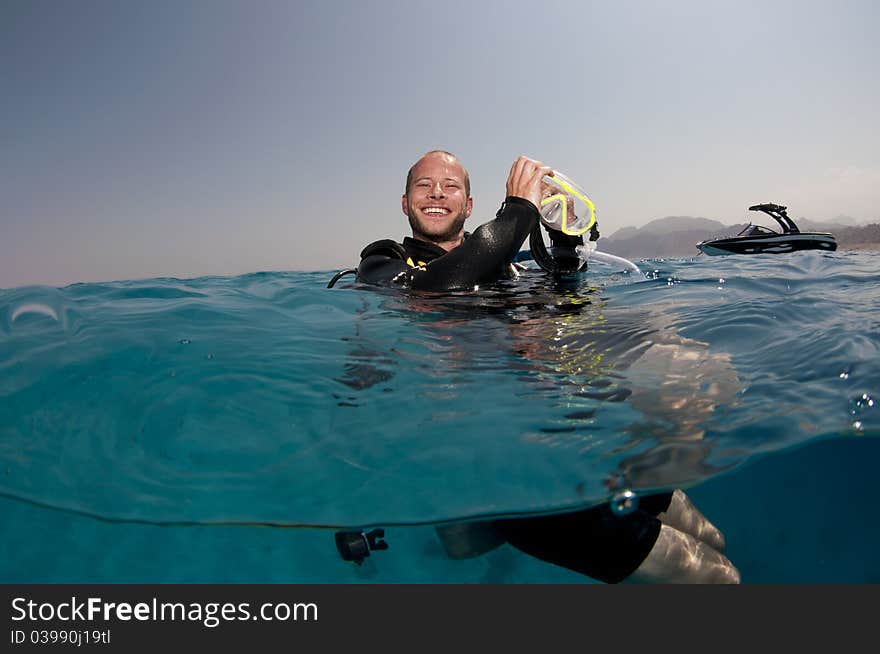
268 398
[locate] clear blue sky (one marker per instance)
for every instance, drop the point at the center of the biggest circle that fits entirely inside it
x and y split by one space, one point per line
157 138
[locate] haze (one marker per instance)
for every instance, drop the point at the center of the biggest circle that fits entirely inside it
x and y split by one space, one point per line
143 139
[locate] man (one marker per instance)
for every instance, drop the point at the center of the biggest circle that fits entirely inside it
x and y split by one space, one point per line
437 202
666 539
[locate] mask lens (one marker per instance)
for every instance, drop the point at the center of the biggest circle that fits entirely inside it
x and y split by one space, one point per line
565 207
551 213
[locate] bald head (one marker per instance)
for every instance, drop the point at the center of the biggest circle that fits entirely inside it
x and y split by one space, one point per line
445 155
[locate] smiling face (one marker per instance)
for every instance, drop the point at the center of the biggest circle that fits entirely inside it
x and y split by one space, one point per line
437 200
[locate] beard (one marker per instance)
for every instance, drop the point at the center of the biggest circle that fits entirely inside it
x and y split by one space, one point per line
436 232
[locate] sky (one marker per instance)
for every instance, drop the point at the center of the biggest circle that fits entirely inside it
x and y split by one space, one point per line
189 138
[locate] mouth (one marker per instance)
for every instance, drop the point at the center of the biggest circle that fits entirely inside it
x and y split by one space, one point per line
435 212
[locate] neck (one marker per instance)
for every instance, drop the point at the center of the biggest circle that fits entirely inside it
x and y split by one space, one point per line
446 244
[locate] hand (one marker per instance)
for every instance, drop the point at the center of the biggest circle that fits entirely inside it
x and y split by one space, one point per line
524 180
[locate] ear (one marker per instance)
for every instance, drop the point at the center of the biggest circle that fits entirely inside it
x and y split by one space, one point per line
469 207
404 205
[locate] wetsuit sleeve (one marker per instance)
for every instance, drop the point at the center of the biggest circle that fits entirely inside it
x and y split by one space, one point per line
481 259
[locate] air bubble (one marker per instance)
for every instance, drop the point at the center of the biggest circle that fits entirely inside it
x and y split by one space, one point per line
864 402
860 408
624 502
184 341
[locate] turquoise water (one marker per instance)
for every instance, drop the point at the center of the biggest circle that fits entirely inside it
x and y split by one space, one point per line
148 427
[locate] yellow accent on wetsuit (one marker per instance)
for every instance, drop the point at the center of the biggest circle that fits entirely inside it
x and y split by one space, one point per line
420 265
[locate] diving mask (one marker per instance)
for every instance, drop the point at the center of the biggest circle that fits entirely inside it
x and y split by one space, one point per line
565 206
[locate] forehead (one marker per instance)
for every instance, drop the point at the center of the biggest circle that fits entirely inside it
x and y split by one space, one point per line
438 166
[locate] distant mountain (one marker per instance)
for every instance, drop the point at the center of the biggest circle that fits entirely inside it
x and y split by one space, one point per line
864 237
673 236
849 221
807 225
677 236
679 224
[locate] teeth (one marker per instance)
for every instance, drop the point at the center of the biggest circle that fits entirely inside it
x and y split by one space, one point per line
434 210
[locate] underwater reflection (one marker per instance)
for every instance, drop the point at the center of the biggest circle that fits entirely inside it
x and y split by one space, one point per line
578 353
573 347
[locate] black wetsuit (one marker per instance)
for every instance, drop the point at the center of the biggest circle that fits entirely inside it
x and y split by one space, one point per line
483 257
594 541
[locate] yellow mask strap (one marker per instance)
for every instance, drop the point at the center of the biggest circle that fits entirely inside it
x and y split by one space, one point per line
563 200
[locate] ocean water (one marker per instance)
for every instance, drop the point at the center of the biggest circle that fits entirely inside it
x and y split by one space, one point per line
221 429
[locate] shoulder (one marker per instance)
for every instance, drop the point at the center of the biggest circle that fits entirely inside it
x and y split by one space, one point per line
383 262
384 248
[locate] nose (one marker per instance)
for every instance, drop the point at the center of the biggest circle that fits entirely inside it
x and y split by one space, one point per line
437 190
